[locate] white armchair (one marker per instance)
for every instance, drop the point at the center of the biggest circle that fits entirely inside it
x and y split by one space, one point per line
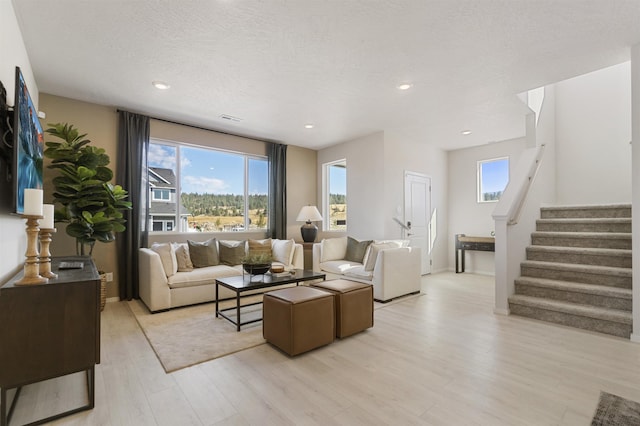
396 270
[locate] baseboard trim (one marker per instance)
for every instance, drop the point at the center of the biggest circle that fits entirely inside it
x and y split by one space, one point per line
112 299
505 312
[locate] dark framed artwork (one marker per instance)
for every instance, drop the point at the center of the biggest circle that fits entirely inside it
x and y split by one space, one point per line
28 143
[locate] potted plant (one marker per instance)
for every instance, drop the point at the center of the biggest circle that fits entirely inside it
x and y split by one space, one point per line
257 264
83 194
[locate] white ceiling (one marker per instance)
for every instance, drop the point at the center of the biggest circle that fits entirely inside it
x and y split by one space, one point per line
279 64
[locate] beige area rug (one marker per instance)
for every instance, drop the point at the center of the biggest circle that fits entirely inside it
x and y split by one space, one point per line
187 336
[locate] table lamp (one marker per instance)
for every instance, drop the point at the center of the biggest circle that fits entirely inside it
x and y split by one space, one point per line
309 231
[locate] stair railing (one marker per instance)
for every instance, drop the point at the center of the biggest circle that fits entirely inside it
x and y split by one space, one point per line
512 237
511 202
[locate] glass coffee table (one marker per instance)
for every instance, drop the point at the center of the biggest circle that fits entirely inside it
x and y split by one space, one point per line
243 283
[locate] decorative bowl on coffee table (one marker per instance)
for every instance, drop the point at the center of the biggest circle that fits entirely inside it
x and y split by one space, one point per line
256 268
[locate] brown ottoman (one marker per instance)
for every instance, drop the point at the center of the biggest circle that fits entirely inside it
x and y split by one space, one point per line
354 305
298 319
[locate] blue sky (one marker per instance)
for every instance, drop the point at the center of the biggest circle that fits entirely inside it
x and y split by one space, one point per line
211 172
495 175
338 180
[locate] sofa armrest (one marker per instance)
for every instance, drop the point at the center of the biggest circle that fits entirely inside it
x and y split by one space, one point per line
153 284
397 272
298 257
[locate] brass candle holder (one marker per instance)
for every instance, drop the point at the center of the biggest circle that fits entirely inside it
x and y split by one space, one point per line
31 265
45 254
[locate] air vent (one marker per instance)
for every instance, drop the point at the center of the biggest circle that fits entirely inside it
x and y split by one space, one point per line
230 118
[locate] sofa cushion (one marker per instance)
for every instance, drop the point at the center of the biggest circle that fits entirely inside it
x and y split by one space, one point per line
231 252
167 257
360 273
182 257
356 249
282 251
258 247
373 254
333 249
202 276
339 266
203 254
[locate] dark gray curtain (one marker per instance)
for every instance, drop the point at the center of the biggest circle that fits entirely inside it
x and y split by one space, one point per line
133 144
277 154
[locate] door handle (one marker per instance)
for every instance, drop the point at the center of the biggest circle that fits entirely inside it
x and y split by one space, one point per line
409 224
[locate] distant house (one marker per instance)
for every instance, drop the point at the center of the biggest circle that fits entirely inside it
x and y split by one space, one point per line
162 201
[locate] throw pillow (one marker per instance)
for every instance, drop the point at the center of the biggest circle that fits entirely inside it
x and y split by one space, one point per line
373 254
183 257
203 253
231 252
356 249
333 249
282 251
258 247
167 257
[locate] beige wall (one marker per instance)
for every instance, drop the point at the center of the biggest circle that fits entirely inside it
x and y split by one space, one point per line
100 125
13 242
301 185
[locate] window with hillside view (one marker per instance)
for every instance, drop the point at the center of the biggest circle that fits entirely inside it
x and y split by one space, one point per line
196 189
493 176
335 196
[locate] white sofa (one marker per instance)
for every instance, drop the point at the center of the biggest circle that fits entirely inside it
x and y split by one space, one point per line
390 266
163 287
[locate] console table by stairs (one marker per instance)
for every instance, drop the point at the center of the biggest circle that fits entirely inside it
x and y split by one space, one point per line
464 243
50 330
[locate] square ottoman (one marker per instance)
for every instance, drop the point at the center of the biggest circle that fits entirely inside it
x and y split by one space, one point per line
354 305
298 319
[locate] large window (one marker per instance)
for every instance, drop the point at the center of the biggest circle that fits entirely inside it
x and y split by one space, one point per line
206 190
335 195
493 176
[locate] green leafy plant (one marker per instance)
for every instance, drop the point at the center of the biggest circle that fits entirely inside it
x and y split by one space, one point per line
88 202
257 259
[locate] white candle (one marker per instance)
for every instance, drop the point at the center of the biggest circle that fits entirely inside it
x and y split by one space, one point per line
47 222
32 202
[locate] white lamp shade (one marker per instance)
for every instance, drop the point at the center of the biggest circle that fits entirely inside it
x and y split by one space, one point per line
309 213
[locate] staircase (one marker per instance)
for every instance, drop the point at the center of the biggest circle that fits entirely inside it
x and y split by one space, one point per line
578 269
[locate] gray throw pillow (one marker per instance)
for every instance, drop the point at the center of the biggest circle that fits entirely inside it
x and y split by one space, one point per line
356 249
203 254
231 253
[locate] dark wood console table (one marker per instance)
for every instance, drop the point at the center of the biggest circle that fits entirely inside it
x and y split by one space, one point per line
471 243
50 330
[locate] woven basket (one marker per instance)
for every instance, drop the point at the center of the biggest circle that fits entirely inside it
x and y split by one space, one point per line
103 291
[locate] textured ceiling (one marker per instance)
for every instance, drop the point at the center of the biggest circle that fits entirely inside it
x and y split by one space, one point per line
279 64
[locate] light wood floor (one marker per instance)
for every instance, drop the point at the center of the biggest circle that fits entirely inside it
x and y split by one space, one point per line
440 359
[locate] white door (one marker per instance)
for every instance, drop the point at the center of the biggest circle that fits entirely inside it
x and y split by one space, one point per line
417 215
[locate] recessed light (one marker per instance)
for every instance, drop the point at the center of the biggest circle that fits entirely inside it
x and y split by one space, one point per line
308 126
160 85
466 132
405 86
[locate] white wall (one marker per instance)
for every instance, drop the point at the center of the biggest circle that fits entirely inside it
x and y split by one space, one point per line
593 130
375 186
466 215
635 212
403 154
365 185
13 242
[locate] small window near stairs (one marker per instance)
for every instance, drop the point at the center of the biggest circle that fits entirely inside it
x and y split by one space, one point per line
493 176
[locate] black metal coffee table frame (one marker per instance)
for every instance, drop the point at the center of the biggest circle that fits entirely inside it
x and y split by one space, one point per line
242 283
